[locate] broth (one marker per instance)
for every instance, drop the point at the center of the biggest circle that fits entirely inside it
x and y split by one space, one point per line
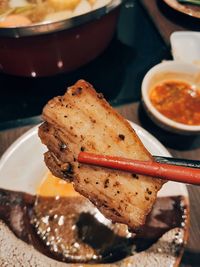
19 13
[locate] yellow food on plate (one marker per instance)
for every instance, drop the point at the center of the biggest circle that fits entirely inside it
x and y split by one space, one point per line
52 186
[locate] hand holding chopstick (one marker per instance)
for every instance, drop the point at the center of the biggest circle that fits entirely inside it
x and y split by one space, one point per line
150 168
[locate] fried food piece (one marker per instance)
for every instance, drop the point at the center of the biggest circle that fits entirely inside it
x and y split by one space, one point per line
82 120
63 4
15 21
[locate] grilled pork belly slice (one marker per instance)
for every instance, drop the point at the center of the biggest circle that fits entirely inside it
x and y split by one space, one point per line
82 120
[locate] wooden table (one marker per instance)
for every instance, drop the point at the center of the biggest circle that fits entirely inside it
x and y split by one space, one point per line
183 147
167 20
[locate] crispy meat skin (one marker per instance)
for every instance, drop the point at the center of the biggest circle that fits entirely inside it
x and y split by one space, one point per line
82 120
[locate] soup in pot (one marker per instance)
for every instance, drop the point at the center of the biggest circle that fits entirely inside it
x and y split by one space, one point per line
19 13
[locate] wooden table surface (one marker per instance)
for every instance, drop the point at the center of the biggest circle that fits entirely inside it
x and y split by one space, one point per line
167 20
179 146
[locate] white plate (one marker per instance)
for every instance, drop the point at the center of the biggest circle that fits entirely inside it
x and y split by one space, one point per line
22 168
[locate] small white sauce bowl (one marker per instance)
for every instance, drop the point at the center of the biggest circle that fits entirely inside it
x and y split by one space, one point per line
169 70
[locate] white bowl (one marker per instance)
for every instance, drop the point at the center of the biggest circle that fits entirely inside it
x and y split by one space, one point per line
164 71
186 46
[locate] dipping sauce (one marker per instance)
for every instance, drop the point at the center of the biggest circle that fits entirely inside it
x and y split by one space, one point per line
178 101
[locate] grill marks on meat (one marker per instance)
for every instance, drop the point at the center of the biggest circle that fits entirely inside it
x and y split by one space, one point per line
82 120
59 157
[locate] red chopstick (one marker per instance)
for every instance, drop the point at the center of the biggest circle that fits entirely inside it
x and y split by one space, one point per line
149 168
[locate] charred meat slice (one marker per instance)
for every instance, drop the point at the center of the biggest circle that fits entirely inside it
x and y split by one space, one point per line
81 120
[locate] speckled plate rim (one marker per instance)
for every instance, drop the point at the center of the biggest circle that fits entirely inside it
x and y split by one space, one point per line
183 9
22 169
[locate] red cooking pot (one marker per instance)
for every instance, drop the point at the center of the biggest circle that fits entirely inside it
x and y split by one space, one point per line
47 49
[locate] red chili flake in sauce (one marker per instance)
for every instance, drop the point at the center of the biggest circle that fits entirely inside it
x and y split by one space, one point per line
178 101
